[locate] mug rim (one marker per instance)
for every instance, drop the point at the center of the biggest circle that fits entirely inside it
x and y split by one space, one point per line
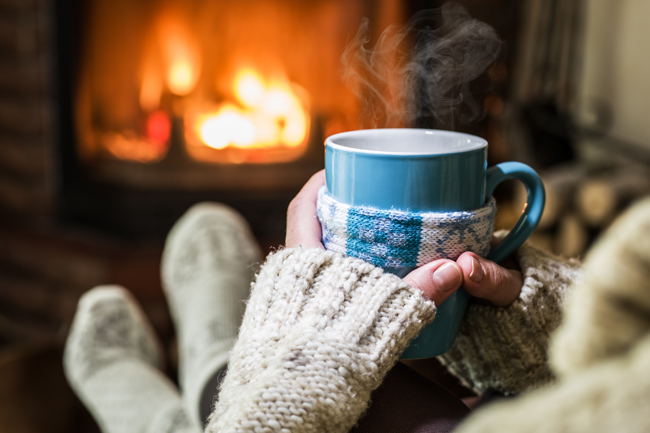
481 143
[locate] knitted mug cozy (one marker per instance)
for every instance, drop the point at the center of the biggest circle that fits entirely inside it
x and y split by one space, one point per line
398 239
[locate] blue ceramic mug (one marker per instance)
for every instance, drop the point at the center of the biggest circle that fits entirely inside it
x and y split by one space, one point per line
421 170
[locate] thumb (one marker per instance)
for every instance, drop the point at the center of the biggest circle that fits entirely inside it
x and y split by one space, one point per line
485 279
437 280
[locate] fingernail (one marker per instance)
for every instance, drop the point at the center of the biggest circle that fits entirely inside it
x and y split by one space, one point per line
476 274
447 277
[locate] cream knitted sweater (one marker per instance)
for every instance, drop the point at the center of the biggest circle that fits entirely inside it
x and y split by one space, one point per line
601 351
321 330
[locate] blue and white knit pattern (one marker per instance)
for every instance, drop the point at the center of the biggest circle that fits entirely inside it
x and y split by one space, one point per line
396 239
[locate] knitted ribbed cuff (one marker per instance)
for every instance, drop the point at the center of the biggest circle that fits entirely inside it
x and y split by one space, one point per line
505 349
320 332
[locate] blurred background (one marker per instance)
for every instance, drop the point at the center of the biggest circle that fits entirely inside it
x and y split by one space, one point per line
116 116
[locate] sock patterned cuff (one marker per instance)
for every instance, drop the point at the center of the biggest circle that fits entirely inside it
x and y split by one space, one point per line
395 239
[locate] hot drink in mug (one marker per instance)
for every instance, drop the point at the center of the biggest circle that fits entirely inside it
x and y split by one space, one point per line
411 196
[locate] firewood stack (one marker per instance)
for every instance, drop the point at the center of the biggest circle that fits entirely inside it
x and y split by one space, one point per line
581 202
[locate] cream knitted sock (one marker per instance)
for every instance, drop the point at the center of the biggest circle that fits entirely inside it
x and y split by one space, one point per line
110 361
207 270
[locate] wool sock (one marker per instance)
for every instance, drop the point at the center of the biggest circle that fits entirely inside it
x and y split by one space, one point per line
111 359
207 270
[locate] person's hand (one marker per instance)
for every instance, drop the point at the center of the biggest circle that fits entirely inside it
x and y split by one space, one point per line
479 277
303 227
438 280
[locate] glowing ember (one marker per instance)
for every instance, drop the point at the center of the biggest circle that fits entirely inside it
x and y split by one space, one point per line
270 115
158 127
128 146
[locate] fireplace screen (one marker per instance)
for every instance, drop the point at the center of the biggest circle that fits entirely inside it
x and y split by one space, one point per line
177 94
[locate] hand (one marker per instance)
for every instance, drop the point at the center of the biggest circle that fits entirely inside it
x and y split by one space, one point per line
479 277
438 280
303 227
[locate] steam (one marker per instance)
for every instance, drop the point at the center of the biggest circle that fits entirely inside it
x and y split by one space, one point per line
416 71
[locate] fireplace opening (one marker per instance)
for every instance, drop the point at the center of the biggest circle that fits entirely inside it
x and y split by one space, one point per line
217 74
165 103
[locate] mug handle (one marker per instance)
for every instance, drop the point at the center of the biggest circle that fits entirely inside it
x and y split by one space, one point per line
536 197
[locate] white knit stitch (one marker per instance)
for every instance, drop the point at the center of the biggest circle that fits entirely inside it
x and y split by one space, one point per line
505 349
456 242
111 360
334 234
320 332
395 238
207 270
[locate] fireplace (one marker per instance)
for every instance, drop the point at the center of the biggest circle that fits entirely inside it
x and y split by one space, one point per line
117 116
203 95
169 102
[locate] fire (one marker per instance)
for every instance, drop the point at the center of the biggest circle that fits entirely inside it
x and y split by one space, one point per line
158 127
226 126
249 89
145 148
182 58
269 114
181 78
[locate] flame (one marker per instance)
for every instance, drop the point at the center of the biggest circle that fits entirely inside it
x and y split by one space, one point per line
249 88
227 126
270 114
183 61
181 78
151 90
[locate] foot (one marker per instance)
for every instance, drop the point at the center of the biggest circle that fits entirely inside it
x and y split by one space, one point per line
207 269
111 359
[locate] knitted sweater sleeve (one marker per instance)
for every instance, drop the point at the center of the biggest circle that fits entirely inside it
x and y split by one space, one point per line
320 332
505 349
601 352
